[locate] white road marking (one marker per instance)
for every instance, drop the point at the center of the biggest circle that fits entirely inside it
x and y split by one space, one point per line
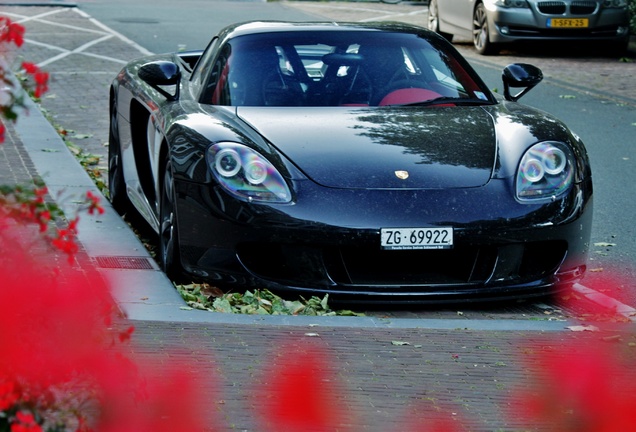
104 34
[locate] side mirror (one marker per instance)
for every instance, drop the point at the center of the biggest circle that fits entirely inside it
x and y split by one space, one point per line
520 75
162 73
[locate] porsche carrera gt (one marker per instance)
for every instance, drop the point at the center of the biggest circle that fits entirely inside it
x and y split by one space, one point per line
366 161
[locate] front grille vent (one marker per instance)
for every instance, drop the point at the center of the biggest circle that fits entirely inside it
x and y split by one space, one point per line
403 271
583 7
551 7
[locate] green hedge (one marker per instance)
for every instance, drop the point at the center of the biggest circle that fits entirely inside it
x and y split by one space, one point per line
632 11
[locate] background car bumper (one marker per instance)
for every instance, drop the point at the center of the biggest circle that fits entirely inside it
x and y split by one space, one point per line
509 25
501 249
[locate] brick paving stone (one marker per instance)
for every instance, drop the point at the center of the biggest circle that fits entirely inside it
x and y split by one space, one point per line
463 374
17 168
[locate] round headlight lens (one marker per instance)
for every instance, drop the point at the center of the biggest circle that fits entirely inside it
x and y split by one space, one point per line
256 172
554 161
533 170
227 162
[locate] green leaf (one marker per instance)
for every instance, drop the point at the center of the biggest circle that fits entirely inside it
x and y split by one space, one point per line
222 305
324 301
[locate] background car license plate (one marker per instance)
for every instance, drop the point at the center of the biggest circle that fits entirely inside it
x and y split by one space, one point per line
416 238
568 22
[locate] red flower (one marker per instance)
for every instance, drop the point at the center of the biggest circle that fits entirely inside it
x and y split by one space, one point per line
41 78
125 335
93 203
8 395
40 193
11 32
25 422
65 240
43 219
30 68
303 394
583 385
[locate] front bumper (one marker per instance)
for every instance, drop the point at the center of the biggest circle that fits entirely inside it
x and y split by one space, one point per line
517 24
329 242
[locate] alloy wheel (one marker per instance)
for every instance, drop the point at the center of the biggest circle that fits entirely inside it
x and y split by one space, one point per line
168 233
116 182
481 40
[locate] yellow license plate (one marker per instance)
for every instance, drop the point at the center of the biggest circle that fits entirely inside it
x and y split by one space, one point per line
568 23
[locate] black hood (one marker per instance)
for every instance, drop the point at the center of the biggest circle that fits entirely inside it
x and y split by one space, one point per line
382 148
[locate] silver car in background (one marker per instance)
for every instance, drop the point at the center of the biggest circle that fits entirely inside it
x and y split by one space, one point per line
492 22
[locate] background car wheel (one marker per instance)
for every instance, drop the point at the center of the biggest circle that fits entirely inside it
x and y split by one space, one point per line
617 49
481 38
116 184
168 232
433 20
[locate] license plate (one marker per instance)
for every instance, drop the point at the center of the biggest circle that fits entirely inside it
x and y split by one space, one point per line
568 23
416 238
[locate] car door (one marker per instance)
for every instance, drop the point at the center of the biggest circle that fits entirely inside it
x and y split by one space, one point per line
456 16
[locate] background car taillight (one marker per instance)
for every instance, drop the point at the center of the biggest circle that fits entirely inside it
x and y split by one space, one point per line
546 170
246 174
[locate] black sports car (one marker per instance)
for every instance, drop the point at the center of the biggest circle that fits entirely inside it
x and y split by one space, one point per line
367 161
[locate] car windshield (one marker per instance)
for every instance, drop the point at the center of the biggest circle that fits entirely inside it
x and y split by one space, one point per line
338 68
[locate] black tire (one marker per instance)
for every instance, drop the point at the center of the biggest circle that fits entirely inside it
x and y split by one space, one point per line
433 20
170 258
481 36
618 49
391 1
116 183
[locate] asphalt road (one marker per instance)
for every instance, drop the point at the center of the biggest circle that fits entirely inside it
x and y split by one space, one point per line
167 25
594 95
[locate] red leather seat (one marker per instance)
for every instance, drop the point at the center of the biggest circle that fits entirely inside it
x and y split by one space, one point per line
408 95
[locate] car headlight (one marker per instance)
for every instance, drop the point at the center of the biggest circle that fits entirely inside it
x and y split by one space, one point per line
509 3
546 171
615 4
246 174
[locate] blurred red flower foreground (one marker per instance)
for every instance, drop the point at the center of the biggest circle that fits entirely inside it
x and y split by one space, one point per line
62 362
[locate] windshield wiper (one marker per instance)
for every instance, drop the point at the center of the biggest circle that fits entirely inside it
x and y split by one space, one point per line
450 100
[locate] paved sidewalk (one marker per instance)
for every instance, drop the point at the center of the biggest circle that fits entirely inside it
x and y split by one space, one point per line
463 365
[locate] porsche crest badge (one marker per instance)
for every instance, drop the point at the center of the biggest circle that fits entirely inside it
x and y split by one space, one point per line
402 175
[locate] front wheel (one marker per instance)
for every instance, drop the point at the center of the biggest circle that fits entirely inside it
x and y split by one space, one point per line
116 183
481 36
168 231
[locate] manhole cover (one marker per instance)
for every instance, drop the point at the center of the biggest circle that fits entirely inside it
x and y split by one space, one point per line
123 262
